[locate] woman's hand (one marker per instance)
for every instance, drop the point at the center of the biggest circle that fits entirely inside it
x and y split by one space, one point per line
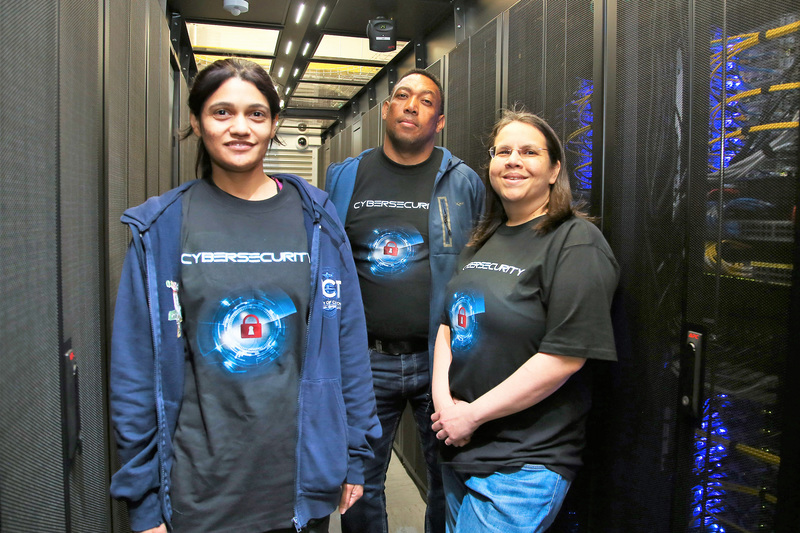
160 529
455 424
350 495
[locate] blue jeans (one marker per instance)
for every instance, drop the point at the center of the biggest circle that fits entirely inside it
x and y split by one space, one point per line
398 380
526 500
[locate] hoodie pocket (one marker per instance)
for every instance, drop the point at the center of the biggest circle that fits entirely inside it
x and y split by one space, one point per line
323 436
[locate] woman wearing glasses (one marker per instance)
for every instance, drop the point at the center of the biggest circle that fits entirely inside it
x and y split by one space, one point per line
528 305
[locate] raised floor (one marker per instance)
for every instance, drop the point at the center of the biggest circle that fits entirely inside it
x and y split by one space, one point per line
404 504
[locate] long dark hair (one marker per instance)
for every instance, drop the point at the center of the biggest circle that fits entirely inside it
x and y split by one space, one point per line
559 206
209 80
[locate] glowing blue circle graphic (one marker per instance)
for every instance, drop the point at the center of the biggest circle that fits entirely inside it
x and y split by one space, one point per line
246 332
464 330
392 251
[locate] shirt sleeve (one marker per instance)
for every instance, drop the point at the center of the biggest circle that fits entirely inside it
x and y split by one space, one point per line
578 320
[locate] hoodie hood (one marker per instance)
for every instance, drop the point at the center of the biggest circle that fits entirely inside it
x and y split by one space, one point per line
143 216
341 177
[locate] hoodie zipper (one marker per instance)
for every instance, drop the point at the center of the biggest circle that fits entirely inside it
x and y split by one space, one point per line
156 380
312 298
447 233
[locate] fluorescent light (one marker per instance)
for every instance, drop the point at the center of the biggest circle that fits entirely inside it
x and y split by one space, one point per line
288 47
296 72
281 104
288 90
306 47
280 72
300 14
321 14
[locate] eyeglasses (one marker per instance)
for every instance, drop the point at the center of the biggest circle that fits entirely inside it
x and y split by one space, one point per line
525 152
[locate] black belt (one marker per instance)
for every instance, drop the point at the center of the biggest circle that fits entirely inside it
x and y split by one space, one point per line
398 347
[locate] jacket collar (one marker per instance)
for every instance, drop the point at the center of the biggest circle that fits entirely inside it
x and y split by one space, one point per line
448 160
143 216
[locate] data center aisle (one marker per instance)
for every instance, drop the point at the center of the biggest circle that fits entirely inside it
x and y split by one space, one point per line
405 506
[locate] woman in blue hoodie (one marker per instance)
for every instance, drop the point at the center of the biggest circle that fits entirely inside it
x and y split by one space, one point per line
240 385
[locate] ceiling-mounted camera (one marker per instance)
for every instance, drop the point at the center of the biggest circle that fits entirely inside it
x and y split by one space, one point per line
381 34
236 6
302 143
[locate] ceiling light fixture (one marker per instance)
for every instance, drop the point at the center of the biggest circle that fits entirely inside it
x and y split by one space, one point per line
321 14
296 72
236 6
280 72
306 47
300 13
288 47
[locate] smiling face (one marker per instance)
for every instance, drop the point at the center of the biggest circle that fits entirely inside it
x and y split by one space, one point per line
522 181
412 116
236 127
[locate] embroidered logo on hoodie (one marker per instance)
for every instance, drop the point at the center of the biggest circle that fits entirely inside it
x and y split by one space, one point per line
331 292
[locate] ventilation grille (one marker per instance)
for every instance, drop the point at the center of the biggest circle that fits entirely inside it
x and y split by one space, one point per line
30 440
286 160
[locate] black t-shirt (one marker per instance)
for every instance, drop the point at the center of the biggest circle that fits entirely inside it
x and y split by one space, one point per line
520 294
245 291
387 223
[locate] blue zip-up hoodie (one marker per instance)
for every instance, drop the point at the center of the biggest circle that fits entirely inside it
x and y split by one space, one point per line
337 418
457 203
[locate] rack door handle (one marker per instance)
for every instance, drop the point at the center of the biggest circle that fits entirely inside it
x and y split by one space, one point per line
693 373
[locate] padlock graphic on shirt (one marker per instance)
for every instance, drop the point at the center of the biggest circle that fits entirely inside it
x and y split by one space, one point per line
390 249
462 317
251 330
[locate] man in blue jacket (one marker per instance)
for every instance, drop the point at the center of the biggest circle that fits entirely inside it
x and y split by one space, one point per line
334 409
408 210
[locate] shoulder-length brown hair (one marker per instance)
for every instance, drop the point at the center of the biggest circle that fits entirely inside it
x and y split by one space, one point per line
559 206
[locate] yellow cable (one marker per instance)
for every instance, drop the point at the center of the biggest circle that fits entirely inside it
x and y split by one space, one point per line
783 30
771 498
761 455
578 132
756 92
780 31
713 259
760 127
749 39
761 90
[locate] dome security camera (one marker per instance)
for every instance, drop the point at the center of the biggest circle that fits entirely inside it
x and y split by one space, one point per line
236 6
302 143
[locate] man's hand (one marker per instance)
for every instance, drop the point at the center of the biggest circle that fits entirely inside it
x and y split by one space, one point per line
454 424
350 495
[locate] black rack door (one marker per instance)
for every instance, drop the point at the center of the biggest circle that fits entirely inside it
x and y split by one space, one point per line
700 186
742 202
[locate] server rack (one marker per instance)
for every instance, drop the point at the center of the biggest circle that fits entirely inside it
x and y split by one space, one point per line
680 124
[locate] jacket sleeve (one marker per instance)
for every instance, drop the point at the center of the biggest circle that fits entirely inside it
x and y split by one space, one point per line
478 194
132 398
330 179
363 426
335 192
